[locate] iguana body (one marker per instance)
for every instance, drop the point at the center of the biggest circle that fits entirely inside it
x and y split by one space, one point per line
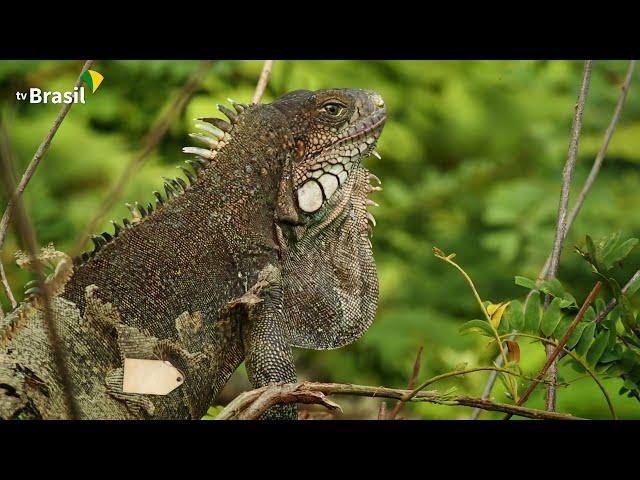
266 249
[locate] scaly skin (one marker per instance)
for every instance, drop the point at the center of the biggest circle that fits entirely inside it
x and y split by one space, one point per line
267 249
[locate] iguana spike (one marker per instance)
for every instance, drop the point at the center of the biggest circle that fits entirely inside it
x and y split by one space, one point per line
218 123
375 189
239 107
195 165
117 229
376 154
106 236
142 212
126 223
371 219
203 163
149 208
98 242
371 203
182 183
203 152
33 291
374 177
233 118
208 141
188 174
168 189
175 186
216 132
159 198
31 283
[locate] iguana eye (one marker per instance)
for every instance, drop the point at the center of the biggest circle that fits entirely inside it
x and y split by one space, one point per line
333 109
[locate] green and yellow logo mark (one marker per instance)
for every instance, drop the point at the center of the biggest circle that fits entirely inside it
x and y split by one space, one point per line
93 79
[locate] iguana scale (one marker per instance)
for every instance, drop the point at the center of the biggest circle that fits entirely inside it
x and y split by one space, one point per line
264 247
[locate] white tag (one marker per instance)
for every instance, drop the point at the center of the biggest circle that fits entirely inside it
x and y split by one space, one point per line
151 377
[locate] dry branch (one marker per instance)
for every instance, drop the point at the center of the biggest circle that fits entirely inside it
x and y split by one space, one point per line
31 168
263 81
29 243
586 188
250 405
561 227
410 385
556 350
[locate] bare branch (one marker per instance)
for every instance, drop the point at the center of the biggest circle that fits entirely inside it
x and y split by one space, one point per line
29 243
263 81
613 302
564 223
557 349
153 138
31 168
307 392
561 227
410 385
597 163
382 412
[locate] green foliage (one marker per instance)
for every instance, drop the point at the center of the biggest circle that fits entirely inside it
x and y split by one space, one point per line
471 160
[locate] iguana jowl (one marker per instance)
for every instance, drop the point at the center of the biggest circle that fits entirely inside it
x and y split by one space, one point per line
267 248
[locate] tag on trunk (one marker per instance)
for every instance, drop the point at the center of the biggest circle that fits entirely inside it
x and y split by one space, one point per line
151 377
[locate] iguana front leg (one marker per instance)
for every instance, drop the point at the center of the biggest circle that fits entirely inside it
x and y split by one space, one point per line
268 356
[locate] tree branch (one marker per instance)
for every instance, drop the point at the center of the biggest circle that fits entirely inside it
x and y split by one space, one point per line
29 243
561 227
613 302
555 351
250 405
31 168
410 385
263 81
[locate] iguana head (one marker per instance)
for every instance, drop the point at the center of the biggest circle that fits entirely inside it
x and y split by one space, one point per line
328 272
333 130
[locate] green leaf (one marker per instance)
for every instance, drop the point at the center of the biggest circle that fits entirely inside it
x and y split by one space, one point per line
477 326
575 336
597 348
634 287
586 339
526 282
591 248
514 315
532 314
562 327
551 317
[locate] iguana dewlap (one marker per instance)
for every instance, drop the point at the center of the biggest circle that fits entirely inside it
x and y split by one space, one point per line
265 246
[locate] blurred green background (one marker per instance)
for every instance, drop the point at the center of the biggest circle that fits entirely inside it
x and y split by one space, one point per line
471 160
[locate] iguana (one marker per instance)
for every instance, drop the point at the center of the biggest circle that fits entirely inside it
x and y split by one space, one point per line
264 247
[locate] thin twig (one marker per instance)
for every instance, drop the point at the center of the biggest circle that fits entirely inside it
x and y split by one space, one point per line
151 141
29 243
613 302
410 385
586 188
556 350
31 168
308 392
561 227
382 411
263 81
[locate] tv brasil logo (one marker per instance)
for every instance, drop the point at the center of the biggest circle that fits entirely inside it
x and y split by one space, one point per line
35 95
